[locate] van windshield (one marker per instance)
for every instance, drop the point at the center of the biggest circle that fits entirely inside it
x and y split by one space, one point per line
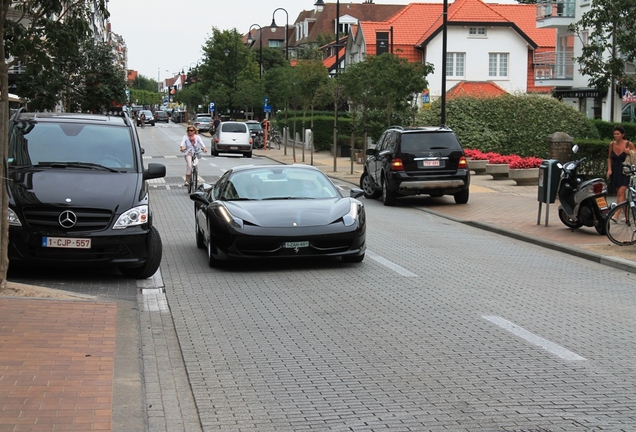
32 144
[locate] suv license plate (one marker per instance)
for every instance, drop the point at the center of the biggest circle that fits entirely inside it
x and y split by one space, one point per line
66 243
430 163
292 245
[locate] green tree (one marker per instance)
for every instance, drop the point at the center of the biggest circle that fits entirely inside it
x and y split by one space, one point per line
395 81
104 83
610 43
226 56
35 32
144 83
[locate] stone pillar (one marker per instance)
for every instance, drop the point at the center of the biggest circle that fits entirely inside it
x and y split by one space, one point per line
560 146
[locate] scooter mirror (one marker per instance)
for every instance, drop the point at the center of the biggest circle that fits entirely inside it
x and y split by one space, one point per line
575 148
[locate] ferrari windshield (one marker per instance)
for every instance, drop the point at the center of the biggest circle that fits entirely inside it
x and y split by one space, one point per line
278 183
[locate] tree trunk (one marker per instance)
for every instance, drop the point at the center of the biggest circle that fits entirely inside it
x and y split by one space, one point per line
4 149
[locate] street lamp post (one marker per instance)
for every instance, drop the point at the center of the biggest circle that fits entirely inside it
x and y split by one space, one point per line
250 41
274 27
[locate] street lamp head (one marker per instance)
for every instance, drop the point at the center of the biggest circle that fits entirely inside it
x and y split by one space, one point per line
250 39
319 3
226 51
273 25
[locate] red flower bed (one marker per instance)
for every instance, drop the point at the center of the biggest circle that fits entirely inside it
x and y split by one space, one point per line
526 162
503 159
475 154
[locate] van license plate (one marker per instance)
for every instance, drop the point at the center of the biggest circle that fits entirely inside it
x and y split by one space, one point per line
292 245
66 243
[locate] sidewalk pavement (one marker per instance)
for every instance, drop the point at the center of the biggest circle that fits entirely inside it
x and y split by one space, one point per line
57 356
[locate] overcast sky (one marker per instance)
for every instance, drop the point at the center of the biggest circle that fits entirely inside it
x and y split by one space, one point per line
164 36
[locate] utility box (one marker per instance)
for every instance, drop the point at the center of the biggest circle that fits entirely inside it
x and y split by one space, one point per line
549 178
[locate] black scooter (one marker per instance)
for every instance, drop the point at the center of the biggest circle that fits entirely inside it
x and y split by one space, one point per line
581 203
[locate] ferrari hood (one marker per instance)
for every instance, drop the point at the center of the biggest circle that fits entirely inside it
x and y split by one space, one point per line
288 213
74 187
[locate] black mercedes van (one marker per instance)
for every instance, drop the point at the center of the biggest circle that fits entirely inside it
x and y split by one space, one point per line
78 193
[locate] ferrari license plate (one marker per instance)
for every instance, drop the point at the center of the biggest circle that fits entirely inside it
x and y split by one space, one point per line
601 202
66 243
293 245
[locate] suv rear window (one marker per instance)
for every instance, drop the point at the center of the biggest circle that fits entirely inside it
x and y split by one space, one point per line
420 142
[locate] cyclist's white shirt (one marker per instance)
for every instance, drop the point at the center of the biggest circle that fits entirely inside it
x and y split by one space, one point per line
189 148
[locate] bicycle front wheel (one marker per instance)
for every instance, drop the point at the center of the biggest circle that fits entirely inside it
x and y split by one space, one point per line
620 225
276 143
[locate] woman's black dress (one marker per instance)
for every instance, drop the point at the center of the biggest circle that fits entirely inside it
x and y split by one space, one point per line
618 179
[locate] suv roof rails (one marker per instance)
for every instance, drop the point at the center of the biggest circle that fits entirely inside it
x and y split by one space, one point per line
396 127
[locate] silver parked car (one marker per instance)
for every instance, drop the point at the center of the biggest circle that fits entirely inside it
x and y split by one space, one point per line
202 123
232 137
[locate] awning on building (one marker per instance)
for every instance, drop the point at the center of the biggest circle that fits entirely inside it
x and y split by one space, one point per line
14 98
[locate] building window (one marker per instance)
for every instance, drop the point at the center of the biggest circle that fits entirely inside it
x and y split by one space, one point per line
477 31
273 43
455 63
498 64
344 28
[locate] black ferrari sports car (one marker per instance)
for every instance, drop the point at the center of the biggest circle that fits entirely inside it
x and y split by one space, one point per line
278 211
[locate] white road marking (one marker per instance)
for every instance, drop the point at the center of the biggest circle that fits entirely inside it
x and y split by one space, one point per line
385 262
551 347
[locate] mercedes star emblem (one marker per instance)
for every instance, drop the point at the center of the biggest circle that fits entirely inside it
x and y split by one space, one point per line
67 219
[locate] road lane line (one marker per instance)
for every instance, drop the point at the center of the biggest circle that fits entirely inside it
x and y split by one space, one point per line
534 339
385 262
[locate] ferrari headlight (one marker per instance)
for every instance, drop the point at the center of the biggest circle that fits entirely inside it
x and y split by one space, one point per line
13 219
134 216
351 217
231 220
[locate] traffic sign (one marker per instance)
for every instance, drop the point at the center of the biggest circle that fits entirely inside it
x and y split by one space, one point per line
212 107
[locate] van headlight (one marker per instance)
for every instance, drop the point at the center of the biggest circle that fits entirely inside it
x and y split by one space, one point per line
14 220
134 216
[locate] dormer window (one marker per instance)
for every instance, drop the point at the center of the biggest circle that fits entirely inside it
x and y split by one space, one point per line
477 32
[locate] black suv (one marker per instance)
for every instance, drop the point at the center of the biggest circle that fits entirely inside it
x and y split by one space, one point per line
414 161
78 192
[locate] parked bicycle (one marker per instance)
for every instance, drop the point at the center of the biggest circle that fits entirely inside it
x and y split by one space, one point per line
274 139
621 219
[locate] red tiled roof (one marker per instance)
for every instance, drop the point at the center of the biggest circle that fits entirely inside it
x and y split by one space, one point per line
419 22
481 89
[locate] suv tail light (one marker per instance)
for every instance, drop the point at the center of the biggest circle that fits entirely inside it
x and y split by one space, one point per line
463 164
397 165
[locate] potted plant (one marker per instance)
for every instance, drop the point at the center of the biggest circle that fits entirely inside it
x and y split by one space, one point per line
477 160
499 165
525 171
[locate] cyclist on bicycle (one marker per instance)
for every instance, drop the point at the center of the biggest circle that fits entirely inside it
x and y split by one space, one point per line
191 146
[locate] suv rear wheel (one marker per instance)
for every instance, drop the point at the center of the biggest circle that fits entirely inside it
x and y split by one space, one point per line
388 197
461 197
367 186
